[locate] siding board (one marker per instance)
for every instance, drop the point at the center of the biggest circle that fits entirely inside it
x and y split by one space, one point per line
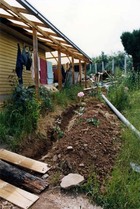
8 54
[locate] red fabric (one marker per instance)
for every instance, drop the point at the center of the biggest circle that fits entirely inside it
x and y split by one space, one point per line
43 71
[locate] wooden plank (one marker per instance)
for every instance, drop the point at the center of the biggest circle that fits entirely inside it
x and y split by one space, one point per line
16 195
23 161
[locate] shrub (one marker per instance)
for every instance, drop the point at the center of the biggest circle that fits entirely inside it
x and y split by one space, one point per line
119 96
45 100
20 113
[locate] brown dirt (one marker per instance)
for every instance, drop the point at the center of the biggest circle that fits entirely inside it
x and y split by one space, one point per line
94 137
93 134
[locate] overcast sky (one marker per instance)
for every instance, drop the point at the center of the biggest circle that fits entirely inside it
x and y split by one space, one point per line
93 25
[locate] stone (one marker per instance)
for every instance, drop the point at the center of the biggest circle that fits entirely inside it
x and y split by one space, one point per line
45 176
69 148
71 180
59 156
54 158
81 165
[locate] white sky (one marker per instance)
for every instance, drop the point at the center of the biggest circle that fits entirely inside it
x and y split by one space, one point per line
93 25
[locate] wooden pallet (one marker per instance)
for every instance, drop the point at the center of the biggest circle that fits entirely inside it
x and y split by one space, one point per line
23 161
16 195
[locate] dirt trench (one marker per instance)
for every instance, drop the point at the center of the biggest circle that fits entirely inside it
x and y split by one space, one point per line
93 132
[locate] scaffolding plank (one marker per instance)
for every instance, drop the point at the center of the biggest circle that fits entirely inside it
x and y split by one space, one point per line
16 195
23 161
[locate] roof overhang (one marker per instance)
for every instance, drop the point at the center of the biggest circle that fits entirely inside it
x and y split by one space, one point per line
21 14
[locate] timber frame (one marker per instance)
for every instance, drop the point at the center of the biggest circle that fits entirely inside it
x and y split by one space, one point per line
41 31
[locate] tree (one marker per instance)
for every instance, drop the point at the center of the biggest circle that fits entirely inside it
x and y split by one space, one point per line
131 43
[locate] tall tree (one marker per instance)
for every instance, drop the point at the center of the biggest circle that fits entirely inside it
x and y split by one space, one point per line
131 43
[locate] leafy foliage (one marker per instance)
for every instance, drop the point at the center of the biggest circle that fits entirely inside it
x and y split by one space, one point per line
21 112
131 45
94 121
45 100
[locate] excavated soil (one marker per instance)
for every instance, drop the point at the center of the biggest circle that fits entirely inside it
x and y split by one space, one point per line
85 138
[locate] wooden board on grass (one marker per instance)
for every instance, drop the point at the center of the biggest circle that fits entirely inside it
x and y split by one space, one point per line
23 161
16 195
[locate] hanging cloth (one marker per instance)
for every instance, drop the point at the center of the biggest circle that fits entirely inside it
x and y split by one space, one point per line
26 55
19 65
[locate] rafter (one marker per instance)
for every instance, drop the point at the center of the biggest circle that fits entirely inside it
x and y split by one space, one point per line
53 38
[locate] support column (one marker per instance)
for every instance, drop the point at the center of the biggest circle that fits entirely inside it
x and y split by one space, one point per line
35 64
85 73
80 71
59 71
73 77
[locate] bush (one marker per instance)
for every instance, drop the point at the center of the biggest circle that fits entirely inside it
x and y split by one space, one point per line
45 100
119 96
20 113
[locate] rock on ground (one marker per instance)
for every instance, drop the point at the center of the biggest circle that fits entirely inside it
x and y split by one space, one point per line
72 179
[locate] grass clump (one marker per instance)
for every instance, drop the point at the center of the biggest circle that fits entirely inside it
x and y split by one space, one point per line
66 95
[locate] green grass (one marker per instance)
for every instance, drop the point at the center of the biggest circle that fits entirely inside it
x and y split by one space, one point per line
122 189
66 95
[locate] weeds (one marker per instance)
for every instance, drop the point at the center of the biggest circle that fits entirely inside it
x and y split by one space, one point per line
67 95
58 132
94 121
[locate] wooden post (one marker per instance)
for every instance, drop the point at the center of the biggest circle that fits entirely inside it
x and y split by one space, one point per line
85 73
96 68
80 71
35 64
113 66
59 71
73 77
125 64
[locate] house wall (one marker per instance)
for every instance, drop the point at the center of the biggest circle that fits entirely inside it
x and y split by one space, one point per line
8 55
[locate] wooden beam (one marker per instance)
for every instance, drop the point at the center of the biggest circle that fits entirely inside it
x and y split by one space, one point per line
10 17
24 38
20 26
30 23
80 71
36 67
49 33
73 77
85 73
59 71
54 57
22 10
